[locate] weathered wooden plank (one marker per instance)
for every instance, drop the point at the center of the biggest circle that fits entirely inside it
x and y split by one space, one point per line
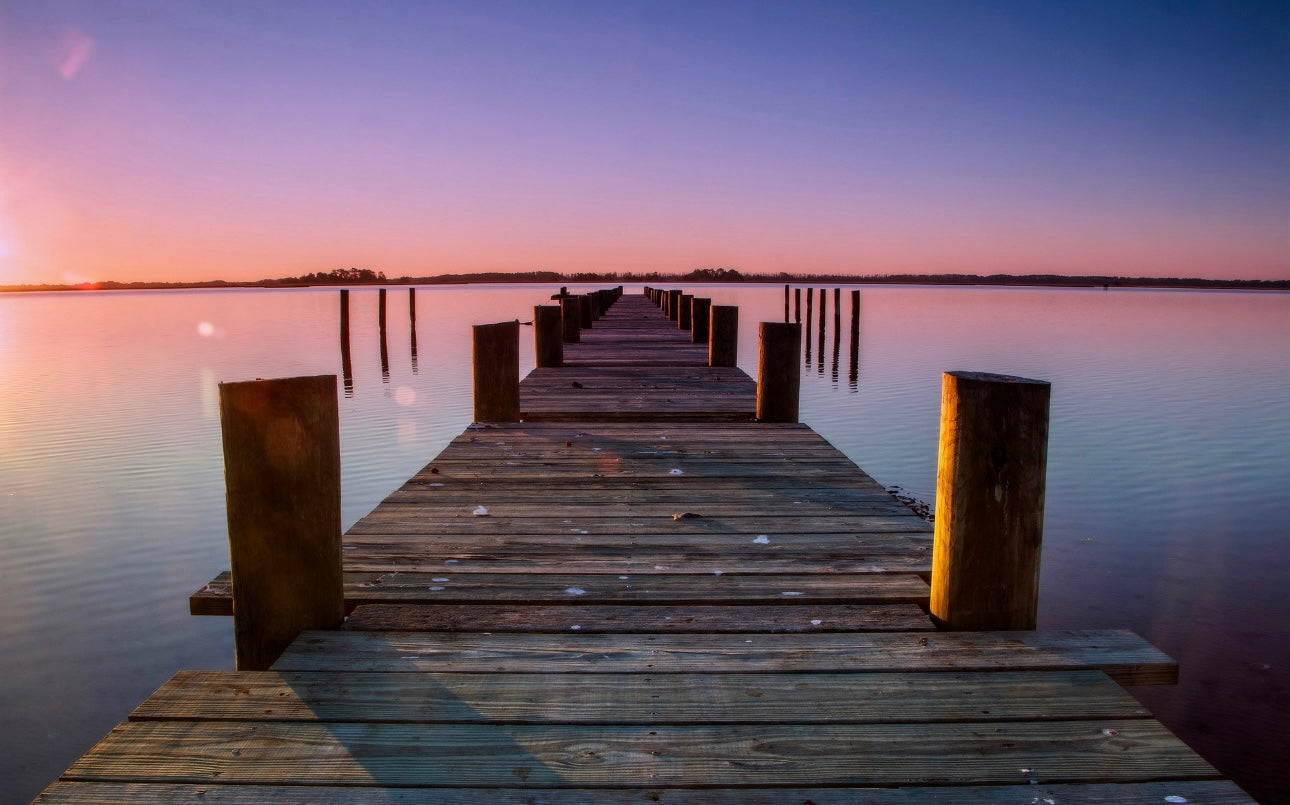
640 698
1122 655
638 619
1150 793
448 587
638 756
406 520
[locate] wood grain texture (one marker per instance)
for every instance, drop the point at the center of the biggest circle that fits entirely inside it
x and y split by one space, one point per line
1149 793
1122 655
440 698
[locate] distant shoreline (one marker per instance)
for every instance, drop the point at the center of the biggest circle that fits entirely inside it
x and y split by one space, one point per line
701 276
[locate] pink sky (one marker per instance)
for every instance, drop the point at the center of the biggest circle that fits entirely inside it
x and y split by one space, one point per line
185 142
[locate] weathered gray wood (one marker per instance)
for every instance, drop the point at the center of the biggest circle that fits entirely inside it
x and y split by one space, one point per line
496 363
282 471
778 371
1122 655
638 756
989 501
449 698
700 320
1145 793
548 336
571 318
723 336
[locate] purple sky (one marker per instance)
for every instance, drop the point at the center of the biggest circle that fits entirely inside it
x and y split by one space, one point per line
171 140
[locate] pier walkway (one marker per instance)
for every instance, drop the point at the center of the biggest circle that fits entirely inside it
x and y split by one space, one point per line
639 594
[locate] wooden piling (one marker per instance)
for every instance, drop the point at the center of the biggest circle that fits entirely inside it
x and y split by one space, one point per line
700 320
723 336
344 314
548 335
786 304
989 501
683 312
412 306
496 357
778 373
380 308
797 305
674 304
571 319
282 476
584 311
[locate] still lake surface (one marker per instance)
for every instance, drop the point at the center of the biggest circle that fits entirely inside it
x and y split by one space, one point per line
1168 509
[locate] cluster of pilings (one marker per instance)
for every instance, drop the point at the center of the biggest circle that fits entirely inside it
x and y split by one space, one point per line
346 362
496 348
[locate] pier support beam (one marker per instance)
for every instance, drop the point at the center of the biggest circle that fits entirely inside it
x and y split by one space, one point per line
723 336
282 476
673 304
684 311
989 501
496 356
571 318
700 320
548 335
779 376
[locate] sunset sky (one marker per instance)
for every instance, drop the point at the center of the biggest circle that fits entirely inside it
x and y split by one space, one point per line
167 140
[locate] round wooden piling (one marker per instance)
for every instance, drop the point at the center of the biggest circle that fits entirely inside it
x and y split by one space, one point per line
700 320
548 335
778 373
282 475
571 319
989 501
797 305
412 306
723 336
380 308
344 314
683 312
496 356
673 304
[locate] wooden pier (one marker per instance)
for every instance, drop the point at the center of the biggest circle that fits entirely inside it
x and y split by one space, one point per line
639 594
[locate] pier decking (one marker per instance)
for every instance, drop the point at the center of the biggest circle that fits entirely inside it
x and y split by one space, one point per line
639 594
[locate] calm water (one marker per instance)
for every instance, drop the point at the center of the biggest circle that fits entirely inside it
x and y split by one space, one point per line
1167 507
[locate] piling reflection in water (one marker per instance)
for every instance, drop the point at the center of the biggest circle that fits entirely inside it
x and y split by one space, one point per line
855 341
817 358
346 364
824 303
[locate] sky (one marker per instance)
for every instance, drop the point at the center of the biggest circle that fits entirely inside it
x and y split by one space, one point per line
164 140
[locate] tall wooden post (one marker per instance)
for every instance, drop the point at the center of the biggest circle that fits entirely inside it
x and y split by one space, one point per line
778 373
412 306
548 335
571 319
344 314
684 311
380 308
797 305
723 336
673 304
584 311
786 303
496 356
282 475
989 501
700 320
